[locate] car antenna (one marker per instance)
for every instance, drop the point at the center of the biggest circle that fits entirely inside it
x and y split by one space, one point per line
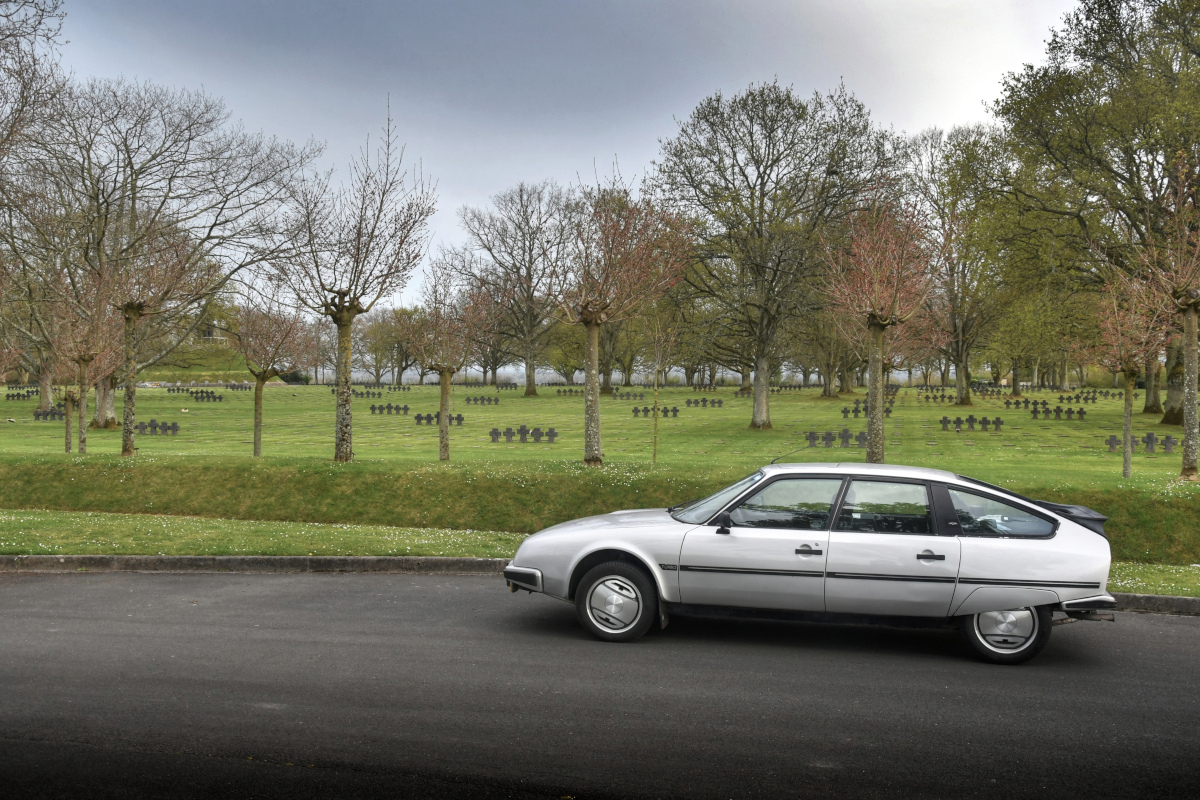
776 458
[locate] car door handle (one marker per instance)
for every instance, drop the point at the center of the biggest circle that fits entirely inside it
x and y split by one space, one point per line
930 557
808 552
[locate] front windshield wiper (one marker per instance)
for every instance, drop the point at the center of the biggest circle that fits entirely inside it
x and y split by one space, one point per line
684 505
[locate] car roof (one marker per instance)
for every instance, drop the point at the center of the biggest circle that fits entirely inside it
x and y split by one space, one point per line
882 470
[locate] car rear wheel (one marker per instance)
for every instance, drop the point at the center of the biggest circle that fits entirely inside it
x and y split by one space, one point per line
1008 637
616 602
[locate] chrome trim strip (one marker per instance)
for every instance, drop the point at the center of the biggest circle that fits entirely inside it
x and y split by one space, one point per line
1034 584
863 576
738 571
525 577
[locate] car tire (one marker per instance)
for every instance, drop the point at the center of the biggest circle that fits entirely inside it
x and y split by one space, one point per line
616 602
1008 637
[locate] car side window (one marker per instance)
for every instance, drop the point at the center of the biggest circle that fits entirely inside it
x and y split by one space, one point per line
985 516
799 503
885 507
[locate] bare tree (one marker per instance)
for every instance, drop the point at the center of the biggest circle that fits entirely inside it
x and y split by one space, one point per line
354 245
164 201
626 252
765 172
271 337
447 331
1131 326
525 238
881 277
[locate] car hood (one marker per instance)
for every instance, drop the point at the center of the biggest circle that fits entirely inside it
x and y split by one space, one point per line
637 518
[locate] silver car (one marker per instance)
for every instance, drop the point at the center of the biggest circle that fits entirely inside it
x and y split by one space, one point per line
835 542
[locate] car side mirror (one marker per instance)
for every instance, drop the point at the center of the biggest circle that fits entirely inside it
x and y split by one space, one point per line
724 521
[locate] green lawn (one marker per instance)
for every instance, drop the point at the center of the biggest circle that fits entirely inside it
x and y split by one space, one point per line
87 533
396 479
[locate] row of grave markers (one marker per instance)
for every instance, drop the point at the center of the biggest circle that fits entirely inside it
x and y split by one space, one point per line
524 433
155 427
52 415
984 423
1072 413
1150 440
845 437
647 412
436 419
704 402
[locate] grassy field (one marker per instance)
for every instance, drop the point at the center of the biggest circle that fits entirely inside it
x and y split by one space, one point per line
82 533
396 479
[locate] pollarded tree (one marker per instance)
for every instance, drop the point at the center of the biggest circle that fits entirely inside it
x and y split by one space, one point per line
1131 328
881 275
272 338
625 252
354 245
446 333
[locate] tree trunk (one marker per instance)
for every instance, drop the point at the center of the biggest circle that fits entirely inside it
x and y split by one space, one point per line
70 409
259 382
606 387
654 449
128 413
875 449
45 390
83 394
745 376
1153 397
1173 407
1191 430
1016 380
1127 426
592 454
106 404
343 449
761 416
530 374
444 376
962 380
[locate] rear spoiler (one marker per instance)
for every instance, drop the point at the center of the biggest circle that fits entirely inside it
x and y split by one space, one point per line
1092 520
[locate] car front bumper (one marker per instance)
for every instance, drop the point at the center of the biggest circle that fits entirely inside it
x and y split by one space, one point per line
526 578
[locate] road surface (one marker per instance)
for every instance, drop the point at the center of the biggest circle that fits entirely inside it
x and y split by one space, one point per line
195 685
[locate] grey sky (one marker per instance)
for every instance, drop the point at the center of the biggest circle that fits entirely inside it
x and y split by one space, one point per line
490 93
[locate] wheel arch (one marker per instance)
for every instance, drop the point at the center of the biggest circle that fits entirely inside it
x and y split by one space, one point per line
597 557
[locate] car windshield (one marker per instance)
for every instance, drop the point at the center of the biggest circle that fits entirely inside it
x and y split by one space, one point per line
699 511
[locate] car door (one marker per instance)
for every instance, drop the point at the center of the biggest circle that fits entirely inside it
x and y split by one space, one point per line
773 553
886 555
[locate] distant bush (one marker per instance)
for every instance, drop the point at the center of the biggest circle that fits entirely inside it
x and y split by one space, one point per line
296 377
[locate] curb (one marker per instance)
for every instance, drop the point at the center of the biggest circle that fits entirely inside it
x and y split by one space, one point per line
410 565
396 565
1158 604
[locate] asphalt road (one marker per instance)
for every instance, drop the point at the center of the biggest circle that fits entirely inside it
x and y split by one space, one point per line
127 685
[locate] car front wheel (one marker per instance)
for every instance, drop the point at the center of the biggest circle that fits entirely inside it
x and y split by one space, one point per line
1008 637
616 602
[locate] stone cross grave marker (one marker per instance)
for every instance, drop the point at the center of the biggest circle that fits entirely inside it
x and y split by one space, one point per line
945 423
508 435
495 434
1169 443
845 436
1113 443
861 438
811 436
1150 439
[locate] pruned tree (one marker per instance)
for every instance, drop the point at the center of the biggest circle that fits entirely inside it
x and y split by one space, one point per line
271 337
524 239
625 252
661 325
354 245
1131 326
447 331
881 276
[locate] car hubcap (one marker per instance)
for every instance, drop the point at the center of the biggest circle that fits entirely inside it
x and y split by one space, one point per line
614 604
1006 631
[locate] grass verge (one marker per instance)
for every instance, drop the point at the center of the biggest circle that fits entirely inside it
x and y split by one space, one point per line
1157 522
90 533
87 533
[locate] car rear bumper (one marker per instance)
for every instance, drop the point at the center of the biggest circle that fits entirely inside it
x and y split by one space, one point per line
525 578
1101 602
